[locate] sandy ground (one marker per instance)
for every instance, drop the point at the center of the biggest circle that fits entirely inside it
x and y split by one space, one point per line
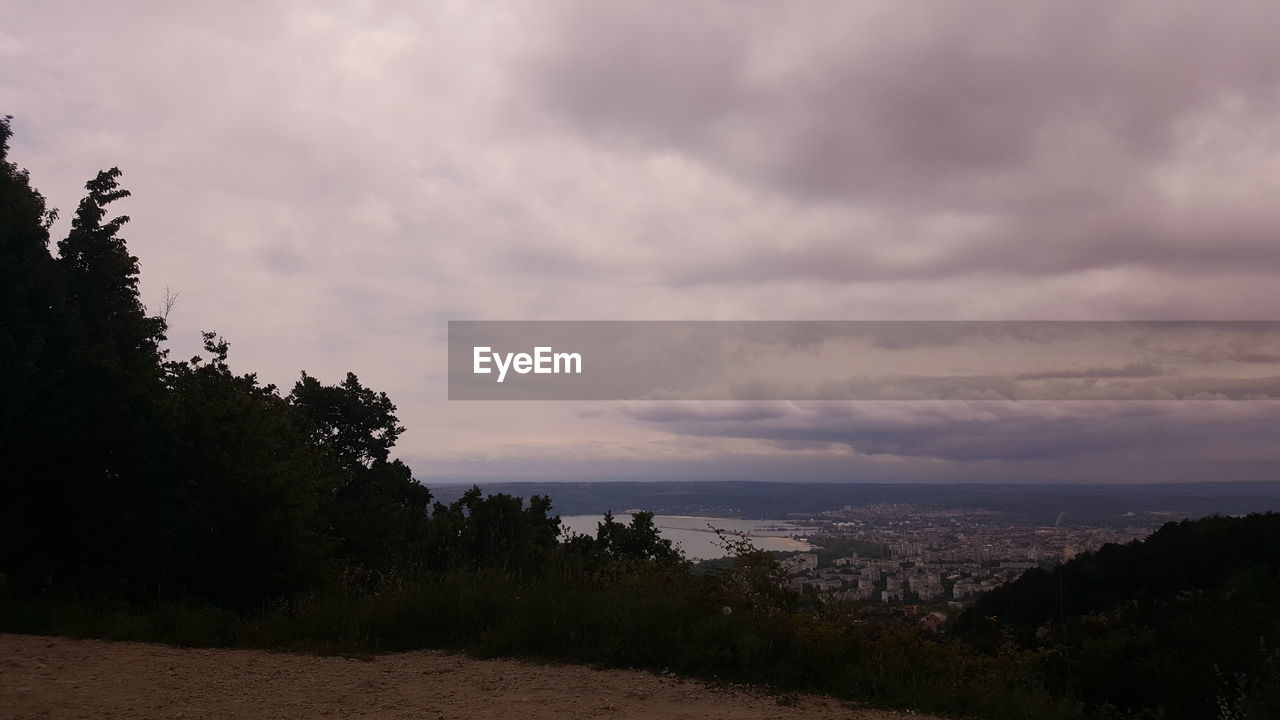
49 677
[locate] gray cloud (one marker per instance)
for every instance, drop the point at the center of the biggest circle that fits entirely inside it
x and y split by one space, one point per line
1011 138
327 185
1136 441
1132 370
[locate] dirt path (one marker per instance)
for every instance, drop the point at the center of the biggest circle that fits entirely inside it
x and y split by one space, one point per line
49 677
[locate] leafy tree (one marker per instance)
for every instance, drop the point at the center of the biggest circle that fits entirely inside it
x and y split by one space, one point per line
494 531
355 424
33 350
638 540
377 512
83 365
28 285
627 544
236 514
756 581
102 277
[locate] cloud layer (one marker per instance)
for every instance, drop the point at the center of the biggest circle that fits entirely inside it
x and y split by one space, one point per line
327 185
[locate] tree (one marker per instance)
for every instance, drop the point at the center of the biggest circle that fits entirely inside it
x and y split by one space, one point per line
377 512
354 423
637 541
112 387
102 278
234 514
28 287
34 345
478 531
81 365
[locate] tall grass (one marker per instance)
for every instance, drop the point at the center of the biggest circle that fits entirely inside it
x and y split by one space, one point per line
644 615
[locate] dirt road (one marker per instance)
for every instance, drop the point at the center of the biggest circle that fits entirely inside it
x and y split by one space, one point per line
49 677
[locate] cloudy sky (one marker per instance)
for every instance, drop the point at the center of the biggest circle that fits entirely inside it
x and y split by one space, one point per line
328 184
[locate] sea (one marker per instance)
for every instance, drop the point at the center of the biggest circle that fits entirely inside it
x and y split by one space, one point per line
696 536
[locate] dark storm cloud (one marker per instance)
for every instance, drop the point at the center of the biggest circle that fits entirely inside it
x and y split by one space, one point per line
1030 138
992 431
1132 370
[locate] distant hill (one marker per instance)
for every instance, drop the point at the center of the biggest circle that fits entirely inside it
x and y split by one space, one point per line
1185 623
1116 505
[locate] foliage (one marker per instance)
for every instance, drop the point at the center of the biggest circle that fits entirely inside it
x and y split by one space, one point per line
233 518
376 512
636 542
1171 625
830 547
494 531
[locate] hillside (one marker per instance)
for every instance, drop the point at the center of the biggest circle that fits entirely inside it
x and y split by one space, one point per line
1182 624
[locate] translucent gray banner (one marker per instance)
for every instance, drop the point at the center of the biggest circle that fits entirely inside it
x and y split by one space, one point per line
863 360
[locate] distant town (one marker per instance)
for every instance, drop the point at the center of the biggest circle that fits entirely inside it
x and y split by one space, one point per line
926 561
922 552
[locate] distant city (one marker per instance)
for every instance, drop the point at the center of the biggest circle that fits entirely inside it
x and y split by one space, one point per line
923 560
921 551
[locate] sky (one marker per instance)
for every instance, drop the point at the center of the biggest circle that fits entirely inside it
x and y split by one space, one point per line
327 184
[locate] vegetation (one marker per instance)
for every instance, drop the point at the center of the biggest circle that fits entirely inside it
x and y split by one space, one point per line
1181 625
177 501
829 548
